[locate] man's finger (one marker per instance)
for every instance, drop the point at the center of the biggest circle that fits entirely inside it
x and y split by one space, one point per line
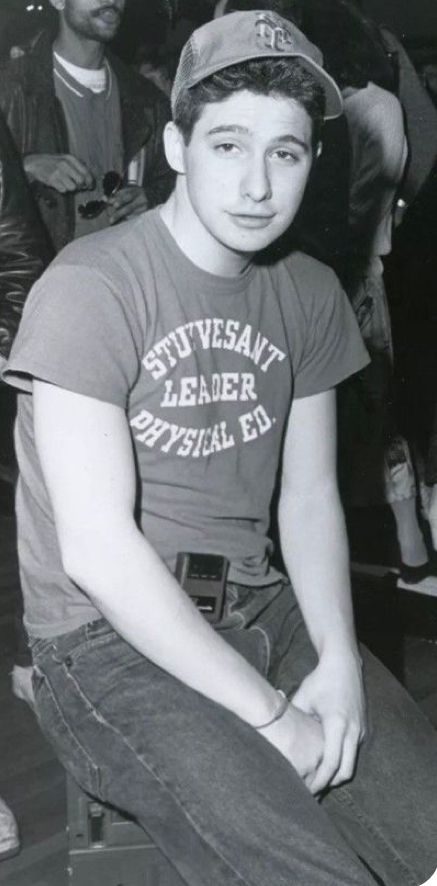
64 181
136 204
76 166
334 730
79 172
71 177
127 195
349 757
303 700
122 198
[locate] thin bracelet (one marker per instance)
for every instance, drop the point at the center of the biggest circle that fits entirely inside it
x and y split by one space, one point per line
282 707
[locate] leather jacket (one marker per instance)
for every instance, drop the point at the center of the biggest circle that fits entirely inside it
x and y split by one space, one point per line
37 122
24 246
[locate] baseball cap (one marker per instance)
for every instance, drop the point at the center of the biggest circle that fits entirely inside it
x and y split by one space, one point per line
241 36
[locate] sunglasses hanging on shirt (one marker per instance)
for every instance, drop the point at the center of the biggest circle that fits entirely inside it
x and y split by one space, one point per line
111 183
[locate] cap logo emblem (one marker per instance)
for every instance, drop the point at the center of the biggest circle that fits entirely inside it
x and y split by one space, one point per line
271 35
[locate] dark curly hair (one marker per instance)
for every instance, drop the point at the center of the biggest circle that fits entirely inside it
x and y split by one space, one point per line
267 76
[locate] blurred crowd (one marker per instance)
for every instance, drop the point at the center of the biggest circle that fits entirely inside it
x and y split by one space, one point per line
81 148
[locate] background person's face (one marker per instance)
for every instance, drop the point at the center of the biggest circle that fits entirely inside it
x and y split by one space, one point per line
94 19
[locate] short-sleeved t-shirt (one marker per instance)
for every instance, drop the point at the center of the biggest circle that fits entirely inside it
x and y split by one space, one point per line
205 368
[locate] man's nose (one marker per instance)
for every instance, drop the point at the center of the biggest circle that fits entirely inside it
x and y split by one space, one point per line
256 182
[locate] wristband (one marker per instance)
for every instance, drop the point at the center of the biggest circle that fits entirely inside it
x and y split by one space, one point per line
282 707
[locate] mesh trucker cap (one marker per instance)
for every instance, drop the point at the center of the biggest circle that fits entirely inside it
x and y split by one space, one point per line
241 36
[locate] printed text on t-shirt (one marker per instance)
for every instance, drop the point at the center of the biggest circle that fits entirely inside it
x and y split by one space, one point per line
204 389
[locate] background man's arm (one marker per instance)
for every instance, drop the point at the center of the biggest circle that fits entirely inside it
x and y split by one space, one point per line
63 172
24 247
85 449
315 552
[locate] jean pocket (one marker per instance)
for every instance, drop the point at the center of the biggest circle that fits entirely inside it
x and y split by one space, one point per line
93 636
99 630
39 647
68 747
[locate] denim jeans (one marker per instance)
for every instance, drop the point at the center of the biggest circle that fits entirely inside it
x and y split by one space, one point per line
224 805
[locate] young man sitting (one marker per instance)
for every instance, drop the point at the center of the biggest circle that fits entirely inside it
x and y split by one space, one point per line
172 375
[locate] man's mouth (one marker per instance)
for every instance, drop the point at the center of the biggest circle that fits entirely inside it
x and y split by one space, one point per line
109 14
251 220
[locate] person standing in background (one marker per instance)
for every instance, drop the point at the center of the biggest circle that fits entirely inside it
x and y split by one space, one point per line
375 461
78 113
89 131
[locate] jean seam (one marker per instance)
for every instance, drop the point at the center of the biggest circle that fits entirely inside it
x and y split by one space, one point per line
268 649
92 765
235 612
40 648
103 721
88 643
344 796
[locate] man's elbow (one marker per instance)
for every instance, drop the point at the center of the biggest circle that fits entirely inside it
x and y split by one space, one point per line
89 553
77 561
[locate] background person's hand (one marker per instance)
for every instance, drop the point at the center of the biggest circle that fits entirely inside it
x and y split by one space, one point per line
333 693
431 512
299 737
129 200
63 172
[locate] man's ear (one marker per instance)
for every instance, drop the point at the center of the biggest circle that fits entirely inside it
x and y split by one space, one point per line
174 147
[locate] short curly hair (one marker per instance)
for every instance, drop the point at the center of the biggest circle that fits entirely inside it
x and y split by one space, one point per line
282 77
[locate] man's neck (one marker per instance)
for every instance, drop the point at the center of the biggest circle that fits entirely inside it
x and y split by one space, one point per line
84 53
195 242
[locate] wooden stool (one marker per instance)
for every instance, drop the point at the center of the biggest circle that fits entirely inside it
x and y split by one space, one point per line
107 848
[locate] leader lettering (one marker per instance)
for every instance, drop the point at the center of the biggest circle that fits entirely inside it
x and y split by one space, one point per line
224 387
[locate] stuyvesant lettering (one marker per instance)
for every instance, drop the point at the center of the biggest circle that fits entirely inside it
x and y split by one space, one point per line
212 333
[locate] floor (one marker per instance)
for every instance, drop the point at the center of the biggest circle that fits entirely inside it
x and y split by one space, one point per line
399 626
31 779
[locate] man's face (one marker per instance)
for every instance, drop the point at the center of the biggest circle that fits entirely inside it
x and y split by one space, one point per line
93 19
246 168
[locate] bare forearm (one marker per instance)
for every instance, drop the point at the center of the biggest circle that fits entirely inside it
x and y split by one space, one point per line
319 568
134 590
315 551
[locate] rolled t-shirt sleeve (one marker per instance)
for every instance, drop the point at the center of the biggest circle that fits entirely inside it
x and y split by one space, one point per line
333 348
76 332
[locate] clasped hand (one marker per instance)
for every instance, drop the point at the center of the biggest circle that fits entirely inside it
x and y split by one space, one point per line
322 729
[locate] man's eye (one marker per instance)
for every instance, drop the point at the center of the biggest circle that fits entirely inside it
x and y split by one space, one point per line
226 148
285 156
